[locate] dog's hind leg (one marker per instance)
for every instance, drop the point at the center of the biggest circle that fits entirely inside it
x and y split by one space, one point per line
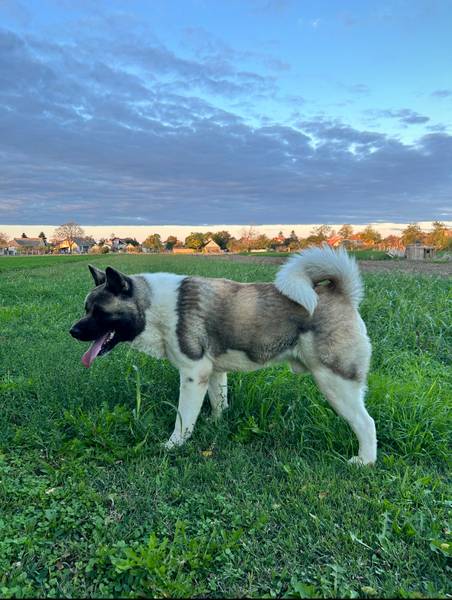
218 393
346 396
193 388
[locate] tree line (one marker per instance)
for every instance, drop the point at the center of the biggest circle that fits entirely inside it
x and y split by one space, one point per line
251 239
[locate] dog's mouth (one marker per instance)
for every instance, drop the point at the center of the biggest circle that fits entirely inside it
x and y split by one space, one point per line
99 347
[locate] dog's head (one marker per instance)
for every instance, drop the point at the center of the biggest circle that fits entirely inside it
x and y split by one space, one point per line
113 314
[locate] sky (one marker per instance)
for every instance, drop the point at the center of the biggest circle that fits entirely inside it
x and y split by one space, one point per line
194 112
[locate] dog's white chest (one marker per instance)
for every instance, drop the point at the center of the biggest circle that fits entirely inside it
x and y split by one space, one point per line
151 342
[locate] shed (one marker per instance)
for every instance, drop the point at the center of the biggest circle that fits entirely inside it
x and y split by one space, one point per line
420 252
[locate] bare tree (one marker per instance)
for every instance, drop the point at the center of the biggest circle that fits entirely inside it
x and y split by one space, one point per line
321 233
3 240
346 231
249 235
68 232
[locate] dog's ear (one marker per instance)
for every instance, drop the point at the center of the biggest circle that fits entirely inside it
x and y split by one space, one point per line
117 282
98 275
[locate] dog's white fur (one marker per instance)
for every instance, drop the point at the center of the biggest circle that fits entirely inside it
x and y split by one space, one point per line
295 280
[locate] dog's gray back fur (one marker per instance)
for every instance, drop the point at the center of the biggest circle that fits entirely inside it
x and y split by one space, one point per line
217 315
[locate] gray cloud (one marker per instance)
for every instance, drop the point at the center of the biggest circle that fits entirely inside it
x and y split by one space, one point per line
120 134
405 116
357 88
209 47
409 117
441 93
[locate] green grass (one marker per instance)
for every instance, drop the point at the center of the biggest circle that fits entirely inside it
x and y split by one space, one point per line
19 263
358 254
262 504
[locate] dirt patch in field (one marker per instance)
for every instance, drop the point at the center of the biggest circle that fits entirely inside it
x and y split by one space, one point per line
414 267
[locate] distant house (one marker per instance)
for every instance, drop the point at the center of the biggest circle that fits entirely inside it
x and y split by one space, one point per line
132 248
279 243
26 246
65 247
84 244
211 247
354 242
75 246
3 248
334 241
117 244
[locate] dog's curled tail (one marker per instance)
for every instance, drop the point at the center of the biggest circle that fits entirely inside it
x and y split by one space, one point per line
298 276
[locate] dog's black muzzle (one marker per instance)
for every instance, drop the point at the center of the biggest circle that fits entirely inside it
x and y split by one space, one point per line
85 331
75 331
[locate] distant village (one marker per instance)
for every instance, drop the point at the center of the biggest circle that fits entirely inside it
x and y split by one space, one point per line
70 238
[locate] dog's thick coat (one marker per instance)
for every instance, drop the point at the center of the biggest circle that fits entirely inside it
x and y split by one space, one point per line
207 327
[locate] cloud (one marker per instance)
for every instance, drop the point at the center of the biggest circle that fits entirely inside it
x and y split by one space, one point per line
404 115
209 47
409 117
442 93
114 134
356 88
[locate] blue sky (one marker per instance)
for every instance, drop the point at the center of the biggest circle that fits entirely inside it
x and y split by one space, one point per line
209 111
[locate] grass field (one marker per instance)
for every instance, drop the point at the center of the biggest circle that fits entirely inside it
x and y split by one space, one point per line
263 504
358 254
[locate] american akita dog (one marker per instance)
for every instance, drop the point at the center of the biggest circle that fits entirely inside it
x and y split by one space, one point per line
206 327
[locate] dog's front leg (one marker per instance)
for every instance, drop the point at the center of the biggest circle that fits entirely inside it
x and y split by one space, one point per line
193 388
218 393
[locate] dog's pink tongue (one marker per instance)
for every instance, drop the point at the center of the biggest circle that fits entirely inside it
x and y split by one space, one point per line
94 349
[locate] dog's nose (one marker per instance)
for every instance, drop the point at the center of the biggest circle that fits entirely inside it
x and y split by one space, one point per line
75 330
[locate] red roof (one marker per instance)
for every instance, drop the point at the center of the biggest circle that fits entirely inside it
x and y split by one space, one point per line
334 240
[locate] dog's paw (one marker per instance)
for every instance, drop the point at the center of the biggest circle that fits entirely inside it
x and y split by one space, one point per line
360 462
216 415
173 442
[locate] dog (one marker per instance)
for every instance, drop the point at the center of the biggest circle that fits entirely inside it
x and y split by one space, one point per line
207 327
